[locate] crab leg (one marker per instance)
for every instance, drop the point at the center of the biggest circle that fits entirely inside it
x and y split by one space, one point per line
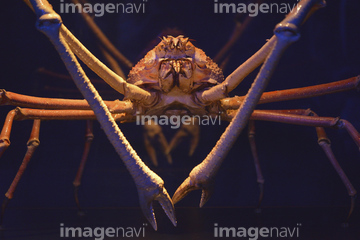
28 113
150 186
295 18
309 118
220 91
202 176
15 99
264 115
324 143
24 113
283 116
32 144
112 62
115 81
89 136
260 178
297 93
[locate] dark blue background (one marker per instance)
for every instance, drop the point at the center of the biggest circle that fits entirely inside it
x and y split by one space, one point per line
297 172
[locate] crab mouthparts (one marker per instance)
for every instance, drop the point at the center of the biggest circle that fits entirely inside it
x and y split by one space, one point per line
175 67
176 72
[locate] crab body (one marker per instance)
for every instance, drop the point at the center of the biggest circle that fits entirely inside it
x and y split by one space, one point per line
175 69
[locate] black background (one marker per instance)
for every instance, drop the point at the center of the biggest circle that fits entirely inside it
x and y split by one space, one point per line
297 173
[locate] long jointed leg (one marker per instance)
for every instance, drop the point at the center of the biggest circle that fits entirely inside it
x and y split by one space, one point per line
309 118
32 144
307 92
15 99
202 176
260 178
297 93
150 186
89 136
324 143
283 116
37 115
75 46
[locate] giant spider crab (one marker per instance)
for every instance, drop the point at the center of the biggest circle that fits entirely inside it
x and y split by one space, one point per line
176 61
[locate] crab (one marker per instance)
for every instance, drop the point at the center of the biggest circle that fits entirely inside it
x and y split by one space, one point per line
177 78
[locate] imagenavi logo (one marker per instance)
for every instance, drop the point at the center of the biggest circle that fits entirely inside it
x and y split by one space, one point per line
255 233
101 233
99 9
253 9
175 121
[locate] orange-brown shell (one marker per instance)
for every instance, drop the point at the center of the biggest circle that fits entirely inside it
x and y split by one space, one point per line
152 71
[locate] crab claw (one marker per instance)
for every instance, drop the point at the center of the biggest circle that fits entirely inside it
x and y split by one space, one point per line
146 198
194 182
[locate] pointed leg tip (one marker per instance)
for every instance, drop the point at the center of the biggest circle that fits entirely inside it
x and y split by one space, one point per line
154 226
76 197
182 190
148 211
152 222
352 206
146 204
175 198
171 216
187 186
168 206
205 196
202 202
